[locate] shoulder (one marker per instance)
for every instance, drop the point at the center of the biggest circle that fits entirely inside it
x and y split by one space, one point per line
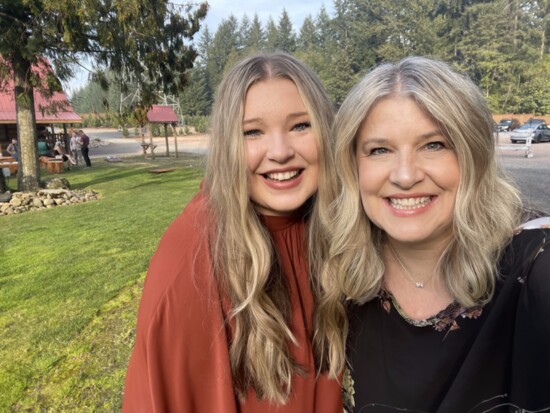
180 269
530 249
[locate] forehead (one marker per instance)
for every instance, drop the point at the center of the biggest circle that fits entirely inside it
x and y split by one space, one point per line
273 95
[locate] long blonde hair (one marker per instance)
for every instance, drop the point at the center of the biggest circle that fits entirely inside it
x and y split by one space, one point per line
245 263
487 206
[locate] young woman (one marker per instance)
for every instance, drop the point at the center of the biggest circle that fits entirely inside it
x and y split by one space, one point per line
450 299
226 321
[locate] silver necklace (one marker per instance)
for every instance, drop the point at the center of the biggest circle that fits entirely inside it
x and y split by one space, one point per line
418 284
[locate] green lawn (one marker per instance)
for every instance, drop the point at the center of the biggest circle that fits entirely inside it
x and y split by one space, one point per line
70 282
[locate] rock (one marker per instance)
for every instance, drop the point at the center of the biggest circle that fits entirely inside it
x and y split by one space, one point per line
43 199
55 183
6 196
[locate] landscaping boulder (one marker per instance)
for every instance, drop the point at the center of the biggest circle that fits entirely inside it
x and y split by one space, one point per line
57 183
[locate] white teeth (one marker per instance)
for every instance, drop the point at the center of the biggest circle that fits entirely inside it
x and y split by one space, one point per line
409 203
282 176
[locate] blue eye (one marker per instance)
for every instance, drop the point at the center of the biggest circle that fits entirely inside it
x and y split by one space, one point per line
301 126
435 146
251 133
378 151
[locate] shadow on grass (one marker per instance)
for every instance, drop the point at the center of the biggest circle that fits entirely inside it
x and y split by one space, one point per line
109 176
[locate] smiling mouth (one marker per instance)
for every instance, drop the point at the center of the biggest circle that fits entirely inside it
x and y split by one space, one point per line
283 176
410 203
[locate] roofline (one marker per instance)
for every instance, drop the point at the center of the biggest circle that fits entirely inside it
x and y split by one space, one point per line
44 122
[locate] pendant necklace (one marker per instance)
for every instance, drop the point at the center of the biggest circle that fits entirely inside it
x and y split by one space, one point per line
418 284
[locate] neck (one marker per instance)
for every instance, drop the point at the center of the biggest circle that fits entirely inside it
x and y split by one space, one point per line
417 267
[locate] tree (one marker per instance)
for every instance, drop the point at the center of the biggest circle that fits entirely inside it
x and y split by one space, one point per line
272 35
308 35
256 40
224 41
195 99
286 39
136 40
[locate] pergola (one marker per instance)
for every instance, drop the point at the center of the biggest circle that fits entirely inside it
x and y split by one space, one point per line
165 115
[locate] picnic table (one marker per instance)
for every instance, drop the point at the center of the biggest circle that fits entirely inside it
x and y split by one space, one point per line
10 163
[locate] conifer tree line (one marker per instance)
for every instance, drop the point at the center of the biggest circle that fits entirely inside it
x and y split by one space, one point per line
501 44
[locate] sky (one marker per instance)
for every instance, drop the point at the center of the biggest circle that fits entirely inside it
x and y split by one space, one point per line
220 9
298 11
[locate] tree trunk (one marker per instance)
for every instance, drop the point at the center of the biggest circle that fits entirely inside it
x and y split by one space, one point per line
28 178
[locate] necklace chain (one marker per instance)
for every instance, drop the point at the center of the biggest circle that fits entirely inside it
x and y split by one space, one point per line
418 284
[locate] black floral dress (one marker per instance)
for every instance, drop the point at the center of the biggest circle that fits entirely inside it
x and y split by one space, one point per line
494 358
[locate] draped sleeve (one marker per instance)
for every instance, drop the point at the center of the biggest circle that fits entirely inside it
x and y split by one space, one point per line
180 362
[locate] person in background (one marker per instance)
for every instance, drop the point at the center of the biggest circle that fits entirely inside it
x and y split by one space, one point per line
447 296
226 321
85 147
12 150
76 151
61 153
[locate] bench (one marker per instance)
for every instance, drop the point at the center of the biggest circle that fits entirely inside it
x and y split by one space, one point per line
526 147
53 165
10 163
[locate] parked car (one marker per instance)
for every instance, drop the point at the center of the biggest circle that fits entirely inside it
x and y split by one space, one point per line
537 131
507 125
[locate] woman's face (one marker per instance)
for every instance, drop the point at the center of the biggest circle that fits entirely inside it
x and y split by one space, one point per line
281 149
408 173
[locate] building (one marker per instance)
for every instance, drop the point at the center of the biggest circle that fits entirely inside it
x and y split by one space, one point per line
55 110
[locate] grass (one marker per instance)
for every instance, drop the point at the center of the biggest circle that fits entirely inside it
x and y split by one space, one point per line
70 281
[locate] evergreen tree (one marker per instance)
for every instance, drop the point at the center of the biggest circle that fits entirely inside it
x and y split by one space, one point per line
286 37
308 37
195 99
272 35
256 39
243 34
224 41
203 49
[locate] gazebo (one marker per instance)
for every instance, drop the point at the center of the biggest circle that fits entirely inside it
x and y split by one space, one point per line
165 115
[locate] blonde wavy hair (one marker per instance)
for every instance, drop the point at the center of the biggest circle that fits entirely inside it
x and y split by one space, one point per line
487 209
245 262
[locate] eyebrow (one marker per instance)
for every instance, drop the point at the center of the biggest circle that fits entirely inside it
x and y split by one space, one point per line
289 116
421 137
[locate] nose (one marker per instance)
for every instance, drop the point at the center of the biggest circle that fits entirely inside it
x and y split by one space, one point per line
407 171
280 147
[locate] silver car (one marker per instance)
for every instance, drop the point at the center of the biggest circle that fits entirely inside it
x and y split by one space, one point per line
537 132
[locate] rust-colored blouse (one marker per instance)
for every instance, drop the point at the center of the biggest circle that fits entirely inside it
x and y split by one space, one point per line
180 362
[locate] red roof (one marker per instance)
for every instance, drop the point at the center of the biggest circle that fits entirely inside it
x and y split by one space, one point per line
44 107
162 114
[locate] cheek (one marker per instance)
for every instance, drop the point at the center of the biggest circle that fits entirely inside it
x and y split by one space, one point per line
309 151
367 177
448 173
254 152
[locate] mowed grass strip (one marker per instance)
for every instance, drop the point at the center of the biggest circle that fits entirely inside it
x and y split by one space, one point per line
70 281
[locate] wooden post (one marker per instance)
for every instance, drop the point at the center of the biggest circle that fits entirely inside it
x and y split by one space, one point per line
174 126
166 139
151 141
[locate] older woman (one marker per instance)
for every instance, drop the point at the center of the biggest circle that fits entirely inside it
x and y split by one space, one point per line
450 301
